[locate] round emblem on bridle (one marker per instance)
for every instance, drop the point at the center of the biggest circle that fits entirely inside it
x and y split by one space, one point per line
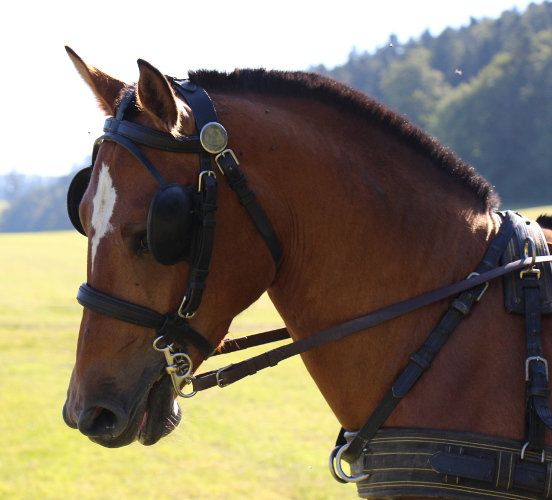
213 137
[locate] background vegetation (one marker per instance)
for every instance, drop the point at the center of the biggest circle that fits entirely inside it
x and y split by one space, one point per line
485 90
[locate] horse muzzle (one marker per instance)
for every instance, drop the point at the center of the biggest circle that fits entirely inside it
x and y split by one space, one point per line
106 422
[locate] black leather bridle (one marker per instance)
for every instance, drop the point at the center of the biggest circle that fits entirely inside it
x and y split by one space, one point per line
173 327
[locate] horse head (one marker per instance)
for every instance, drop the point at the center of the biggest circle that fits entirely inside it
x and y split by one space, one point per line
140 209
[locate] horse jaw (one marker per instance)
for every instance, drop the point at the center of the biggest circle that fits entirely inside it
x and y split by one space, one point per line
156 97
105 87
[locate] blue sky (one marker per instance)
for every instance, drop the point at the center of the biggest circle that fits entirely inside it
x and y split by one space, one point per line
50 118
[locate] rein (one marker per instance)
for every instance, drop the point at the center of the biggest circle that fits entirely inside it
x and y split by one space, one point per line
142 316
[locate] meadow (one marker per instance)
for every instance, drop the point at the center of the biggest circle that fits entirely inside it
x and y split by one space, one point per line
267 437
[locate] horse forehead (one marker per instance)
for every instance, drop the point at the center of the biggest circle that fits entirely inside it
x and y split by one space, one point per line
103 205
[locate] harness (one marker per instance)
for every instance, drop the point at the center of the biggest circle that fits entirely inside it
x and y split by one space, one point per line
181 228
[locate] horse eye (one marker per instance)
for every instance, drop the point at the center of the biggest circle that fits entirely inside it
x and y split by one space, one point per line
142 243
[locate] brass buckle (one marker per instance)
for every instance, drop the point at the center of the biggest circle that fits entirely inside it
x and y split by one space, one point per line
223 154
209 173
182 306
531 269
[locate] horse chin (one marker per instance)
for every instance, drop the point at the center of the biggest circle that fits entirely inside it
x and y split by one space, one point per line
161 415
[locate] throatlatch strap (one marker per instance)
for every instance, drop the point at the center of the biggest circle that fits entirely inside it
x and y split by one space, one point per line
238 182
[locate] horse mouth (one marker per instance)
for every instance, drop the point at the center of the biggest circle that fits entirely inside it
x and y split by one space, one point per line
155 417
160 417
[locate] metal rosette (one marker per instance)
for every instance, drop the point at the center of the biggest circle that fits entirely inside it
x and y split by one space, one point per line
213 137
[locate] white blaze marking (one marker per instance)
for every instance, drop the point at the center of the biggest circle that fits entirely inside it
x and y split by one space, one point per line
102 209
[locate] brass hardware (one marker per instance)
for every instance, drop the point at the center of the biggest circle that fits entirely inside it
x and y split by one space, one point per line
223 154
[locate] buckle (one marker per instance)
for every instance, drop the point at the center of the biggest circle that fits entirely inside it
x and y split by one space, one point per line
531 269
523 452
209 173
220 383
471 275
182 307
535 358
223 155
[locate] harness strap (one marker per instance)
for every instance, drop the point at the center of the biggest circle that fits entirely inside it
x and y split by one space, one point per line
229 166
164 324
202 253
233 373
538 415
421 360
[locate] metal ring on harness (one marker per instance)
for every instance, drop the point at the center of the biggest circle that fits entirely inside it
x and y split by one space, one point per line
337 471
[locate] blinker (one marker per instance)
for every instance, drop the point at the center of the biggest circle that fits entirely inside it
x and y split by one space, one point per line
213 138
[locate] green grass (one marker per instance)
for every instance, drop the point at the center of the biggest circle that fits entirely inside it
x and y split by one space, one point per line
267 437
533 213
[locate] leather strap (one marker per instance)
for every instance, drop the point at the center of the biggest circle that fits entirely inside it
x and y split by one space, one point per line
152 138
163 324
241 343
233 373
238 182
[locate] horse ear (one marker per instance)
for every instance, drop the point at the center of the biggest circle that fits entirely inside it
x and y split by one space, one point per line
157 98
105 87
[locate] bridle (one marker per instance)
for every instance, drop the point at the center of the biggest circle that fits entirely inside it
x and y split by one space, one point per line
174 329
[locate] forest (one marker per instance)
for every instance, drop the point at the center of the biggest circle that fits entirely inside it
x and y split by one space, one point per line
484 90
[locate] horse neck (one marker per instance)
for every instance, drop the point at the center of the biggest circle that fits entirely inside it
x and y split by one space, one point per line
359 219
364 222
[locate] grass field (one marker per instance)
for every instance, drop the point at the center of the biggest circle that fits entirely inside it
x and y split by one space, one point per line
267 437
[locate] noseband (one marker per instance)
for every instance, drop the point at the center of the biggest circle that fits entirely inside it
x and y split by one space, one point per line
181 220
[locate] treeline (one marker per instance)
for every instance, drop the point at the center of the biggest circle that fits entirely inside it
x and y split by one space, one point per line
484 90
33 203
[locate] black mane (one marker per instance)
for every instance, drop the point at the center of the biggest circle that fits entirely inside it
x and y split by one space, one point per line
347 99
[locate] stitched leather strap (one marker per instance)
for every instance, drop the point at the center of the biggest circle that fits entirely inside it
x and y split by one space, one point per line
172 327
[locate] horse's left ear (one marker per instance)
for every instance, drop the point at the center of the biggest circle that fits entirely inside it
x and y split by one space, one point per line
157 98
105 87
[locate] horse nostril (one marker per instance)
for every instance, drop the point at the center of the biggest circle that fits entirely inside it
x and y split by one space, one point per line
101 422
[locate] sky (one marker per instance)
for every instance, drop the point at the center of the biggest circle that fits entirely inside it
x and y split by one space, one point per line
50 118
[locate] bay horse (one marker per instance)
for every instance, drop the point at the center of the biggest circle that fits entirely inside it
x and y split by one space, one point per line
338 207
